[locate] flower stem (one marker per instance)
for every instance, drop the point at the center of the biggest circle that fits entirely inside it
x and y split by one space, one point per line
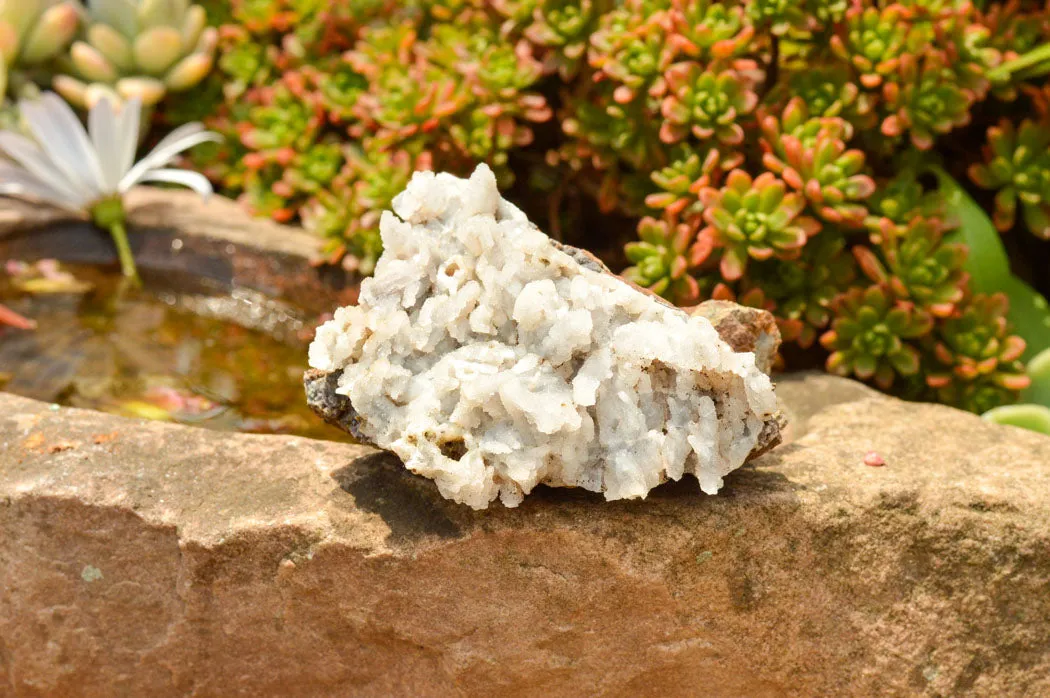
109 214
127 260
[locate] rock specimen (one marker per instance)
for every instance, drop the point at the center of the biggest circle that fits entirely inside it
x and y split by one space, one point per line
490 360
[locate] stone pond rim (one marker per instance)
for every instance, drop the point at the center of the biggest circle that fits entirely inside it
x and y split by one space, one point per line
147 558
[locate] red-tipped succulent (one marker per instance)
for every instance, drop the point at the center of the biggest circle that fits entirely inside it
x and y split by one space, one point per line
976 342
665 257
754 219
871 336
812 157
707 103
919 265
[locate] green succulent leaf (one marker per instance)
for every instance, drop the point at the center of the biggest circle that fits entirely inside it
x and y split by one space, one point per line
989 265
1039 371
1031 417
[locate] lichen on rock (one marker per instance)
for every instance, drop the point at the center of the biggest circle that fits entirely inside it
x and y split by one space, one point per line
491 360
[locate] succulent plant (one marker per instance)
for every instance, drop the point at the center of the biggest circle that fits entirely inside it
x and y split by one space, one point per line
33 32
828 91
691 169
705 103
631 47
347 213
480 137
264 194
869 336
900 199
408 103
926 101
802 290
872 40
919 265
1014 30
929 10
795 121
502 108
823 14
776 16
338 88
503 74
664 257
974 345
278 119
563 27
138 48
705 30
611 131
811 156
243 62
1017 166
327 108
977 396
970 54
754 219
314 168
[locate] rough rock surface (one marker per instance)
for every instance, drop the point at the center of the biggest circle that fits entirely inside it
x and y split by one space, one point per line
152 559
491 360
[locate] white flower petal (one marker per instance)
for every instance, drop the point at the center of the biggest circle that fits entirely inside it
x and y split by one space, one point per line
104 127
33 160
128 133
15 181
159 157
179 133
62 137
194 180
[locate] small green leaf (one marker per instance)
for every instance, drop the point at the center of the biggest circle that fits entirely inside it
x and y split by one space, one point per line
1032 417
1039 371
988 263
1029 314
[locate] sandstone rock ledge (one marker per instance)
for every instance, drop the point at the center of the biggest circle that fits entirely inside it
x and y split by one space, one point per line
146 559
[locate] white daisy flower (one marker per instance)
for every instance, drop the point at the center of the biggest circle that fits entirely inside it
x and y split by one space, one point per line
88 171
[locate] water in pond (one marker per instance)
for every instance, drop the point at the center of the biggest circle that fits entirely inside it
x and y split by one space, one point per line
162 354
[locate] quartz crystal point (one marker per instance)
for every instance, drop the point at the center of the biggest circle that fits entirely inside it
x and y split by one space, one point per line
491 359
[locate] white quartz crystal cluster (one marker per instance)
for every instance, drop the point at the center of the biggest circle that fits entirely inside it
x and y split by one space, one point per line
491 361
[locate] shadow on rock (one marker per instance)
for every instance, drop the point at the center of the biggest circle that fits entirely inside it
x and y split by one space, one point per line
745 482
413 508
410 505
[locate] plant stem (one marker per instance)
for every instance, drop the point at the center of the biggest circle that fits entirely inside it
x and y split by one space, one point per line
1028 60
1038 70
108 214
127 260
773 71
